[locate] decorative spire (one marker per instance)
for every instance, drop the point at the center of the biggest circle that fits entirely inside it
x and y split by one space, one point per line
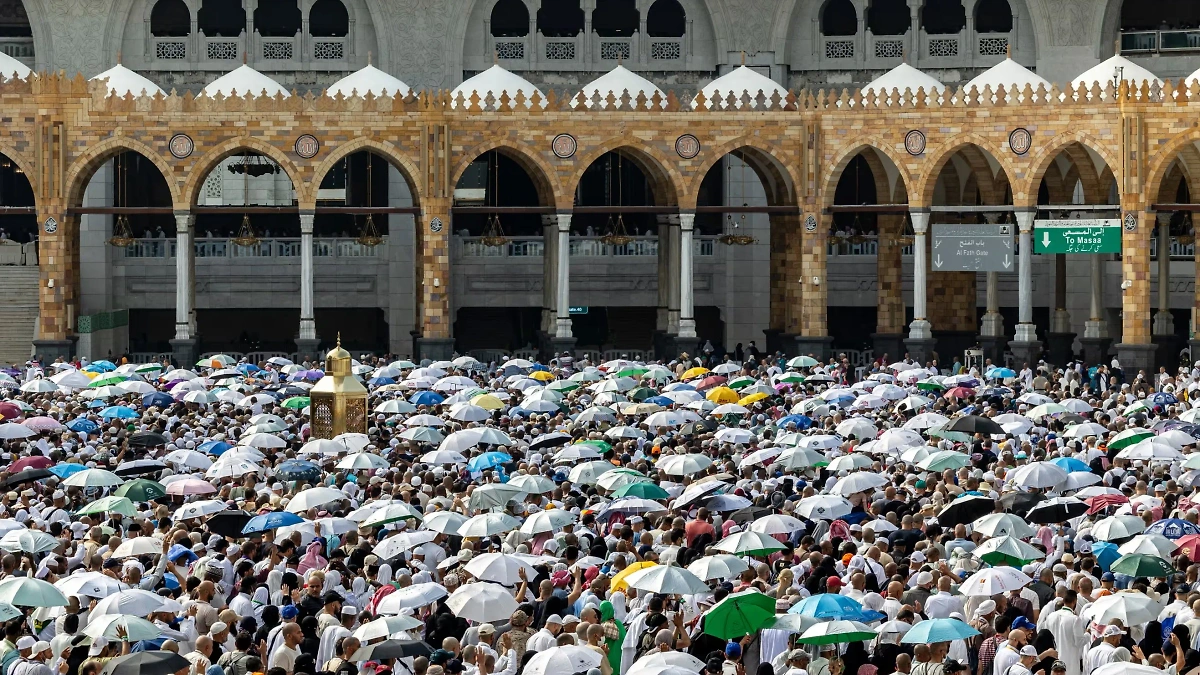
743 57
244 56
1008 50
339 339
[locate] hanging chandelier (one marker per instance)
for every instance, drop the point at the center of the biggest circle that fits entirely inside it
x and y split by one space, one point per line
734 235
493 235
614 231
369 236
245 235
122 233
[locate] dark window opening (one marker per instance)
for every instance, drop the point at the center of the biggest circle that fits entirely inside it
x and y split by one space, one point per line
224 18
328 18
615 18
510 18
1160 15
560 18
856 187
170 18
14 22
943 17
495 179
666 18
614 180
889 17
277 18
839 18
993 16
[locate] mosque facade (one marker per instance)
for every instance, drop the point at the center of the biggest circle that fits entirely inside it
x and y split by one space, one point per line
615 177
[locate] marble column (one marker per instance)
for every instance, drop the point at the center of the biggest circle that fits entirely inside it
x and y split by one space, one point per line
1025 345
685 339
1163 329
1095 338
306 344
1060 339
549 274
183 347
920 335
564 339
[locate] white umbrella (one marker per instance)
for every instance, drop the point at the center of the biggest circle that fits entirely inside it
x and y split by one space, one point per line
547 521
262 440
719 566
12 431
777 523
385 626
396 545
1148 544
28 541
823 507
667 580
482 602
138 546
1118 527
994 581
563 661
91 584
30 592
188 458
391 513
465 412
859 481
93 478
199 509
414 596
362 461
118 626
532 483
655 662
859 427
494 496
487 524
1130 608
446 522
748 542
1038 475
1003 524
313 497
500 568
588 472
851 462
443 457
684 465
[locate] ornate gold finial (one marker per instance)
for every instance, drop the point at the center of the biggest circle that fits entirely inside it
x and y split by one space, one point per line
244 56
743 57
339 339
495 57
1008 51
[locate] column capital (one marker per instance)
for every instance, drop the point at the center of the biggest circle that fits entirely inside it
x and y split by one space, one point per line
920 220
667 218
549 219
1025 220
564 222
184 221
687 221
306 222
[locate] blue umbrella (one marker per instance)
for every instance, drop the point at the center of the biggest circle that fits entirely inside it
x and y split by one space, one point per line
1000 373
834 606
83 426
538 366
488 460
659 400
119 412
108 366
96 403
380 381
247 368
1173 528
994 391
1070 464
64 470
938 630
841 398
426 398
157 399
298 469
801 421
1106 554
1162 398
214 448
271 521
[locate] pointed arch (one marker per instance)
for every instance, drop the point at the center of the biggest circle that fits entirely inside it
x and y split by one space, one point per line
667 184
198 172
406 166
80 173
854 148
1046 154
778 177
939 155
542 175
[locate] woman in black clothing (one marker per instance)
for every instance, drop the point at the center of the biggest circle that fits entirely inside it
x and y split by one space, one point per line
270 619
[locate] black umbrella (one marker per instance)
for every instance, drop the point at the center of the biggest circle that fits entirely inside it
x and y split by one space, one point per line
138 467
1057 510
146 663
965 510
1019 502
228 524
147 439
27 476
699 427
974 424
392 649
550 440
749 513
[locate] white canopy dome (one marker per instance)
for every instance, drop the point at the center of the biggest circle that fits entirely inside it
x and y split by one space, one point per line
10 67
1007 73
122 80
496 80
619 80
368 80
741 80
244 80
903 77
1106 70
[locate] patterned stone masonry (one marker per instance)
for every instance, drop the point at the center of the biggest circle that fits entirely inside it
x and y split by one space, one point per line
61 128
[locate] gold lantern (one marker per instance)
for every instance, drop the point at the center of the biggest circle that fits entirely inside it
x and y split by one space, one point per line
339 401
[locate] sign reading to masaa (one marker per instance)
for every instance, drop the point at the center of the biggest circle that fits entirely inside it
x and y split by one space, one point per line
972 248
1094 235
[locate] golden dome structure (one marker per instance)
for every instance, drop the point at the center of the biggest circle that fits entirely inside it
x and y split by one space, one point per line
338 402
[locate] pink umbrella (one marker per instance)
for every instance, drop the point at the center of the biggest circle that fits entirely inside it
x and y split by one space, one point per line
42 424
190 486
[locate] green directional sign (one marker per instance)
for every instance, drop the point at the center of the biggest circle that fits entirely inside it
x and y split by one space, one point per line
1096 235
578 310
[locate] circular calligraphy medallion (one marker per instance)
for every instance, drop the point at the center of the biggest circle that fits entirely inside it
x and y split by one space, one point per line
51 225
307 146
181 146
564 146
1130 222
687 146
914 142
810 223
1020 140
435 225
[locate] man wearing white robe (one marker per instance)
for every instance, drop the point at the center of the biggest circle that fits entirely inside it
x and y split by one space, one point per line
1102 653
327 649
1069 631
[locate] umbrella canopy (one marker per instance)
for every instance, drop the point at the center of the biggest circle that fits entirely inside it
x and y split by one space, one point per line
30 592
993 581
1134 564
483 602
836 632
146 663
563 660
738 615
938 630
666 580
1130 608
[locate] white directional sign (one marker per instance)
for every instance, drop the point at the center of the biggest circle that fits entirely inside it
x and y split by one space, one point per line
973 248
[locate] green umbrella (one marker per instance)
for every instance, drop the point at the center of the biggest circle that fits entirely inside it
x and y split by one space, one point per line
562 385
739 614
296 402
1142 565
112 504
106 380
141 490
930 385
599 445
944 459
836 633
940 432
1129 437
1007 551
792 378
633 371
641 394
30 592
802 362
643 490
740 382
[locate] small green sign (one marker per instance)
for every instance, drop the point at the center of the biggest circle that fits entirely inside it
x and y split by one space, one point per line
1094 235
578 310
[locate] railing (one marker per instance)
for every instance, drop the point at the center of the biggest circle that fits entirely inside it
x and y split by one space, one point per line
278 48
992 44
615 48
329 48
585 247
887 46
942 46
170 48
222 48
839 47
150 357
12 253
667 49
1159 41
866 245
17 47
1178 249
856 357
627 354
282 247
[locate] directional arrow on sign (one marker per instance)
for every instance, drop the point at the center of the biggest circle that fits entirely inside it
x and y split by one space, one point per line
1045 238
937 262
1007 262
